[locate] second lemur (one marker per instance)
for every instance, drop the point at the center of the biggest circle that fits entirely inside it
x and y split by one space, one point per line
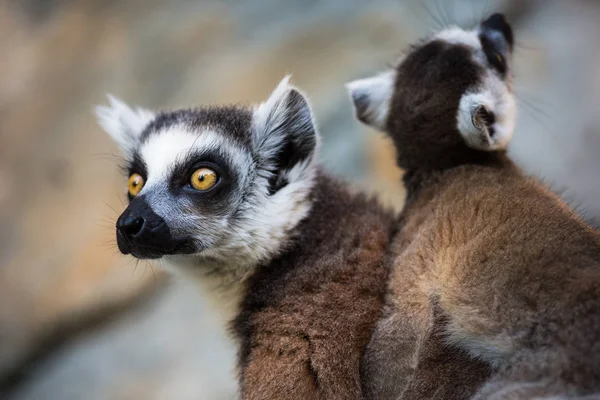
512 271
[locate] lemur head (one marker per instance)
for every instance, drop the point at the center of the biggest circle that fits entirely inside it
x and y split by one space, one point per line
216 184
448 101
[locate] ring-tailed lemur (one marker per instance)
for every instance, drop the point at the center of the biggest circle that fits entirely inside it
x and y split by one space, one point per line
514 272
234 197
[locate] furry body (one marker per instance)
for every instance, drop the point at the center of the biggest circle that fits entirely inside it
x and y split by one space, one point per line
310 312
512 274
515 274
294 263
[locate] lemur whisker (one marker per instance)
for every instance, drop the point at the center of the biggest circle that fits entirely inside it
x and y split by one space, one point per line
443 12
439 14
111 207
151 269
107 156
435 20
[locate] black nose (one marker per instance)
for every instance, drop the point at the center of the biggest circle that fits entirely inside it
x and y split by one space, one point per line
497 29
143 233
130 226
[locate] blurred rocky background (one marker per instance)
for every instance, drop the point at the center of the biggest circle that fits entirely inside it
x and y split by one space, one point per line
79 321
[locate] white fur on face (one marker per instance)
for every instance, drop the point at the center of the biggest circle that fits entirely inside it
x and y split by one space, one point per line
162 150
122 123
257 223
371 98
266 219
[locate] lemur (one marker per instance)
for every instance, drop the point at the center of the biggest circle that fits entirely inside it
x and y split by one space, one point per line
233 196
513 271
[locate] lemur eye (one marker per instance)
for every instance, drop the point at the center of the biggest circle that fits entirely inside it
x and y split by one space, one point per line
499 58
135 184
204 179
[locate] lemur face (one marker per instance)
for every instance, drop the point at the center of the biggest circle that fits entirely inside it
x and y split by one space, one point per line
226 184
456 86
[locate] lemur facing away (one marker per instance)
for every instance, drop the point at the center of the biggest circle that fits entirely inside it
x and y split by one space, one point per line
514 273
233 196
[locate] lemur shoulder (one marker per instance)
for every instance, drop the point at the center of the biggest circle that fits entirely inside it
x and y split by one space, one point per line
297 262
512 271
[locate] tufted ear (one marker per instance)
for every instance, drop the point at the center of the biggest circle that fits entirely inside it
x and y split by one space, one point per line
284 132
122 123
484 122
371 98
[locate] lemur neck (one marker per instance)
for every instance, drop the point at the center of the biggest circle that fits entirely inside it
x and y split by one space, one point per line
417 179
221 286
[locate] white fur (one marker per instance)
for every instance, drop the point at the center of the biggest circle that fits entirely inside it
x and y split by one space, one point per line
456 35
223 292
164 149
269 114
378 91
268 223
122 123
269 117
495 96
493 350
265 225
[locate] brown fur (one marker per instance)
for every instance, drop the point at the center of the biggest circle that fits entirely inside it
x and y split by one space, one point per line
512 271
442 373
306 289
308 315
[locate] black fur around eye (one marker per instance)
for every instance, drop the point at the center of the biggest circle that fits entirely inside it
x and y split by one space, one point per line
182 175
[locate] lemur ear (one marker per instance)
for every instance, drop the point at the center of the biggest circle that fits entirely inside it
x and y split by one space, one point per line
284 132
122 123
371 98
486 124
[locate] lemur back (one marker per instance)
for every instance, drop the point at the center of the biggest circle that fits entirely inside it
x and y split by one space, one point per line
513 273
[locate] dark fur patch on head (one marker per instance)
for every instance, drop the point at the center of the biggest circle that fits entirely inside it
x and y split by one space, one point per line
232 121
430 82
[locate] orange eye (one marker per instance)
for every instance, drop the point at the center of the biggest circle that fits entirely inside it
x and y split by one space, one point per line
135 184
500 58
204 179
